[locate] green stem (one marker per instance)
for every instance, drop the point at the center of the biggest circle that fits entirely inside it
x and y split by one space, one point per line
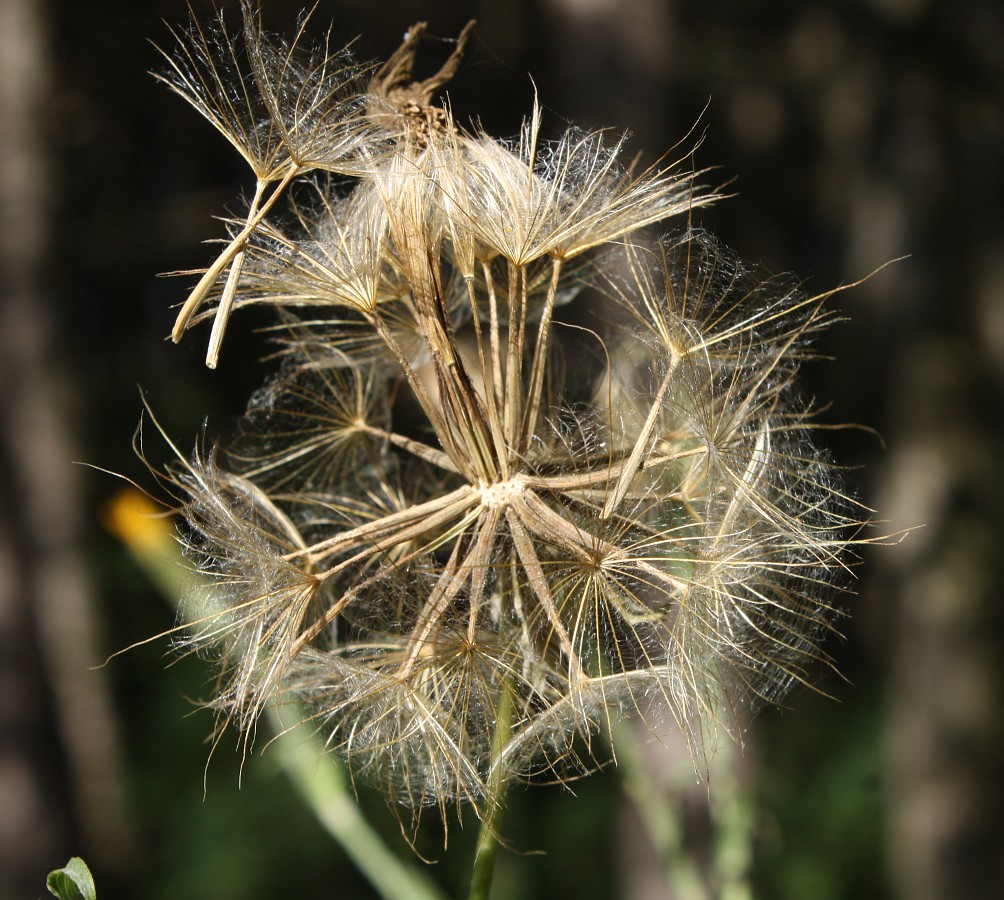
324 787
658 801
488 841
319 778
659 807
732 814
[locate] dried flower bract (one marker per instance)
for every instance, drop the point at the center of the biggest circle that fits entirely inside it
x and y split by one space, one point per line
462 529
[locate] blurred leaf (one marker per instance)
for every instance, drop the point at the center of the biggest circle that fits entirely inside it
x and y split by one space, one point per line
72 882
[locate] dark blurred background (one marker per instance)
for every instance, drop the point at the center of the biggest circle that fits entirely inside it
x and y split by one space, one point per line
857 132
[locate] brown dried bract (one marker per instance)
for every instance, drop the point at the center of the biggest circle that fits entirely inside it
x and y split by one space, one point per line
399 100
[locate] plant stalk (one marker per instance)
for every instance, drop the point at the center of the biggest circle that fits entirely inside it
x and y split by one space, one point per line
488 840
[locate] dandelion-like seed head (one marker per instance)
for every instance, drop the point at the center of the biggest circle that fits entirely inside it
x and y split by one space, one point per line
460 530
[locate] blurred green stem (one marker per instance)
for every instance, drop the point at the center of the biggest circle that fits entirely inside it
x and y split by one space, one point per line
322 783
660 802
732 815
317 776
661 814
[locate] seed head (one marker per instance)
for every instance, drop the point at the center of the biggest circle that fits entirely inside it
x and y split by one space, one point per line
461 530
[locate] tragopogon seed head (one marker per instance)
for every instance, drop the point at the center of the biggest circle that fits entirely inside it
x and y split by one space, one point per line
462 533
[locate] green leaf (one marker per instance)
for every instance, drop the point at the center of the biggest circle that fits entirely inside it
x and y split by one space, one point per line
72 882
